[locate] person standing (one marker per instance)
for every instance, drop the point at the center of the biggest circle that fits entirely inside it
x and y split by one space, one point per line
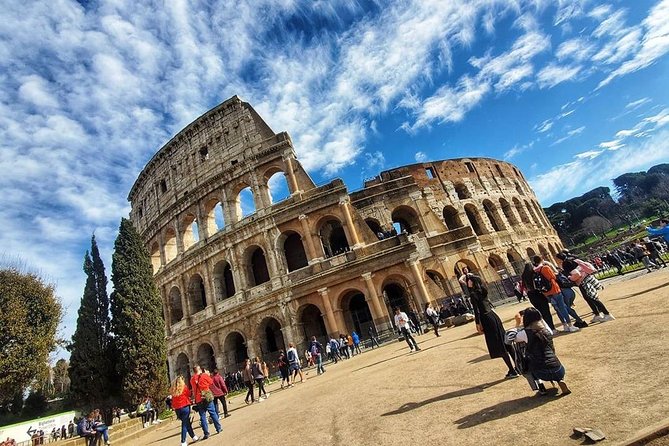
316 350
662 230
536 298
282 363
181 405
433 317
343 346
642 255
553 293
200 383
259 376
294 363
247 376
220 390
356 342
580 272
488 323
654 253
373 337
402 323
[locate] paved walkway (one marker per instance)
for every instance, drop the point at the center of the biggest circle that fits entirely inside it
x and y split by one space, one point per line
452 393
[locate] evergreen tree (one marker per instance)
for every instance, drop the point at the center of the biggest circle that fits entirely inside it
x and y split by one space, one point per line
137 320
90 363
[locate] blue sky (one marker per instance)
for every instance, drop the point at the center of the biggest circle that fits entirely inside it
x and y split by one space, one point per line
574 92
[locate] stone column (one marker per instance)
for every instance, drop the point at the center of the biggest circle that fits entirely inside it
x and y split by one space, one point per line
251 348
202 223
416 197
311 249
422 289
344 203
378 314
290 173
261 195
288 337
339 317
184 300
330 318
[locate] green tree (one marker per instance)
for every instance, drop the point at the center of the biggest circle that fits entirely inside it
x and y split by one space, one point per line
61 379
137 320
29 317
35 405
90 365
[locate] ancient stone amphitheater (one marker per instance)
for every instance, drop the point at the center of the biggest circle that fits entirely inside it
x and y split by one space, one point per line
239 282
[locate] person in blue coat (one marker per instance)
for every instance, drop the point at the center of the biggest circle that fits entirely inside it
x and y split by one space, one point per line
663 230
356 342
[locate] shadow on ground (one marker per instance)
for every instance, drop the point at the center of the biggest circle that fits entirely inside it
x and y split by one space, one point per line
639 293
503 410
446 396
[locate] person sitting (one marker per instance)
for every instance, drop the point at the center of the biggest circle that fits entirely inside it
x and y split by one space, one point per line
87 428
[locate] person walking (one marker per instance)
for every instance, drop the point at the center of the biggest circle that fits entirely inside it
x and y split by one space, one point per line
294 363
200 384
259 376
402 323
343 346
432 317
334 349
662 230
373 336
654 253
543 362
316 350
580 272
247 376
536 298
642 255
488 323
282 363
220 390
356 342
181 405
553 292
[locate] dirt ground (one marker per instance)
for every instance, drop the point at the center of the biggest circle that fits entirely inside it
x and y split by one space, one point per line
452 393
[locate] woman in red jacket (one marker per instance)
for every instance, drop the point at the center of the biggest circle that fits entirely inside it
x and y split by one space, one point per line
181 405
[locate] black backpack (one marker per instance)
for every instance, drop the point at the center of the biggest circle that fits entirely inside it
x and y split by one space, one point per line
541 283
564 281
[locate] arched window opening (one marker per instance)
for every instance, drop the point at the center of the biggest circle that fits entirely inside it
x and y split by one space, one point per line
235 350
508 212
521 211
541 214
312 323
438 280
183 366
519 189
462 191
190 231
258 263
271 337
170 245
155 257
474 219
224 283
532 214
205 357
333 238
278 187
531 253
496 262
214 220
397 297
493 216
544 253
245 202
407 219
293 250
452 218
357 312
196 293
176 311
375 227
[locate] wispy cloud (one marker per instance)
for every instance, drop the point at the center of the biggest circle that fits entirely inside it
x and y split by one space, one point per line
421 157
569 134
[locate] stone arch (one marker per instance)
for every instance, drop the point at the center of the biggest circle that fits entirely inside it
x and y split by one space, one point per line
196 293
532 214
244 203
170 245
293 250
519 189
407 219
461 264
277 185
475 220
333 237
176 310
257 271
452 218
271 336
213 216
541 214
375 226
544 252
224 281
310 318
521 210
183 367
508 212
516 260
357 313
235 350
395 291
462 191
206 357
530 253
189 231
493 215
155 257
496 262
439 281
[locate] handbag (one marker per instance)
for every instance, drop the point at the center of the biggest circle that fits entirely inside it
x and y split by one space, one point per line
207 397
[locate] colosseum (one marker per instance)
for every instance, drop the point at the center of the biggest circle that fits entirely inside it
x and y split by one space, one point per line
240 283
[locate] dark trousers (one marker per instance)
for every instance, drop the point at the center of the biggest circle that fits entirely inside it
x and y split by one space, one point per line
595 304
410 340
261 386
540 302
374 341
223 402
249 385
657 259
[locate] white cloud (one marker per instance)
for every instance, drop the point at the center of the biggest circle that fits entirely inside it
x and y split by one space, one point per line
555 74
569 134
421 157
545 126
638 103
577 49
590 154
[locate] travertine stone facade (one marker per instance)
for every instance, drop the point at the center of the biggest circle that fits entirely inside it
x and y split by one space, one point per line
316 263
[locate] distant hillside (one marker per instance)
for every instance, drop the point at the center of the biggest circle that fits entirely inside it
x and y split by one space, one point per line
637 195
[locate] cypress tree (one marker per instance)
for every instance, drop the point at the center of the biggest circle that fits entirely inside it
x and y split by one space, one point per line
137 320
90 364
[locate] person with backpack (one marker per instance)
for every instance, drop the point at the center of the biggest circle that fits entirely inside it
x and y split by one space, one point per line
259 376
294 363
200 384
334 349
488 323
316 350
432 317
545 281
536 298
282 363
543 362
580 272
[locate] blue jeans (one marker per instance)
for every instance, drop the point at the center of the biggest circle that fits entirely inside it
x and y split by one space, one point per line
560 307
183 414
211 410
569 296
319 364
104 431
550 374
